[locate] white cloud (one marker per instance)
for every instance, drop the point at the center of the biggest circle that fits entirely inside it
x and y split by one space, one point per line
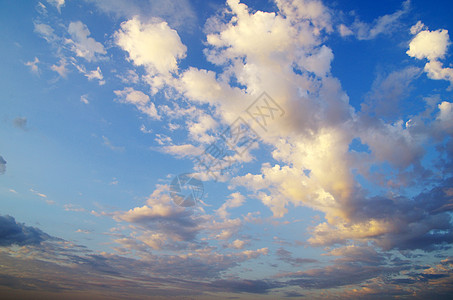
312 165
429 44
153 45
435 70
139 99
200 126
33 65
96 74
418 27
445 116
61 69
237 244
145 130
235 200
433 46
45 31
84 99
38 193
344 30
57 3
129 77
185 150
83 45
319 63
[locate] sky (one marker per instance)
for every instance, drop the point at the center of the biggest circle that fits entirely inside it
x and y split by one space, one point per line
285 149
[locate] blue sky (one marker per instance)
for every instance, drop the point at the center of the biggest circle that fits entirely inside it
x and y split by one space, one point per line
332 123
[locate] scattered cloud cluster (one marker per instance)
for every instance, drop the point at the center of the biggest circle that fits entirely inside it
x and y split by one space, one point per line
431 45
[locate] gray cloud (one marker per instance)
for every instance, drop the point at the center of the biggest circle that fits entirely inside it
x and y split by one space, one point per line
245 286
2 165
423 222
20 122
287 256
387 93
13 233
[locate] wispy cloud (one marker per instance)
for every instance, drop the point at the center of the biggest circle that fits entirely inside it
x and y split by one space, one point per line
109 144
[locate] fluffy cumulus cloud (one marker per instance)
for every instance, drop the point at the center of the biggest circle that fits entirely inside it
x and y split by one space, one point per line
162 221
431 45
282 53
153 45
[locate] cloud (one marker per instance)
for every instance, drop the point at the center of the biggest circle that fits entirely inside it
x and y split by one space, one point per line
163 221
382 25
344 272
57 3
61 69
435 70
433 46
139 99
84 99
235 200
429 44
387 93
38 193
73 207
245 286
153 45
20 122
237 244
287 257
45 31
418 27
33 65
185 150
2 165
91 75
129 77
109 144
423 222
179 13
315 167
96 74
83 45
344 30
13 233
